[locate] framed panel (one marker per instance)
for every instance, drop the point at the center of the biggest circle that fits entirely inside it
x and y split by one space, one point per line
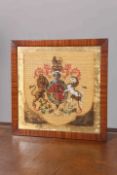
59 88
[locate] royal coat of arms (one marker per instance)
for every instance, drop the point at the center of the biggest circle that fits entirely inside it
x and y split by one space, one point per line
56 96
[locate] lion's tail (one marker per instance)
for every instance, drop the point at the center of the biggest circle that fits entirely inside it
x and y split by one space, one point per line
33 87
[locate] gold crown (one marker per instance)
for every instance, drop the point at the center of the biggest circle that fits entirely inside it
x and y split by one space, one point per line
57 64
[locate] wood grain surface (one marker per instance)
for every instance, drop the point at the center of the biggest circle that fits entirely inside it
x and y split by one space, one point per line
45 156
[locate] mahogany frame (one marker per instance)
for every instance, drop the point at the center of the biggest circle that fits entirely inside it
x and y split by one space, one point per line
103 43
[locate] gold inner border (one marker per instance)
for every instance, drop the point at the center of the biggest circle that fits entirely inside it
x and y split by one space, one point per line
21 97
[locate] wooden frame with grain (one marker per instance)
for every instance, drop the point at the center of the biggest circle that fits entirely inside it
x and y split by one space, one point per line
103 43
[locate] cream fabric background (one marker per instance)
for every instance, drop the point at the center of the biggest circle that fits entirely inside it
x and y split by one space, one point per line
56 19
